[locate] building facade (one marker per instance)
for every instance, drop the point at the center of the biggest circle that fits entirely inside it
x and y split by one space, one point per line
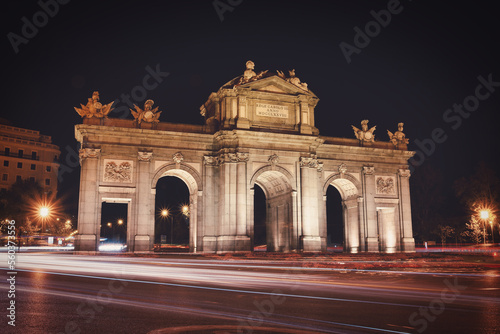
27 155
259 131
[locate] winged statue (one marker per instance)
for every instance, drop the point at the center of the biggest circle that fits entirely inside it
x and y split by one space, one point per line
398 137
94 108
365 134
148 115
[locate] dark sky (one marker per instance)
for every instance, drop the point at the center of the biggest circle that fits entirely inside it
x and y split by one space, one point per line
425 60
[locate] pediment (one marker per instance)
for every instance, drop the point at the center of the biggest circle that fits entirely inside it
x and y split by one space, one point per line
275 84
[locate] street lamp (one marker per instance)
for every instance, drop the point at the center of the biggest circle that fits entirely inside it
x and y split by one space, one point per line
484 214
44 212
492 233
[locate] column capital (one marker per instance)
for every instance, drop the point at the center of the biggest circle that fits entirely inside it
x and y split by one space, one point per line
404 172
85 153
144 156
368 170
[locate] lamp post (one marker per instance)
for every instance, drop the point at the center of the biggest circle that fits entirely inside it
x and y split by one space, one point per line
484 214
492 233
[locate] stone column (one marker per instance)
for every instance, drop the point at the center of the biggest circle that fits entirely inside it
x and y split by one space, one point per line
243 242
311 240
407 240
89 207
208 231
352 225
372 242
362 227
144 237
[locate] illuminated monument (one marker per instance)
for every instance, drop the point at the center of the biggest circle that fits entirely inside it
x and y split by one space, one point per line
259 130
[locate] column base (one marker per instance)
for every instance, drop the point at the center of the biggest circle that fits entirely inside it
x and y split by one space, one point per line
408 245
142 243
372 245
86 242
232 243
311 244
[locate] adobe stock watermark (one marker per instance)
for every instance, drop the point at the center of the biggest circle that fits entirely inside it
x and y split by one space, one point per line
372 29
222 6
88 309
453 116
150 81
420 319
266 307
30 27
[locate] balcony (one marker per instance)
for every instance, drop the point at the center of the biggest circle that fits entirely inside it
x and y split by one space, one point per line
20 156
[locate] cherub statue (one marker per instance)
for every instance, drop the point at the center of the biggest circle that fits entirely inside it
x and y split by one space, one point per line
249 74
94 108
293 79
147 115
398 137
364 134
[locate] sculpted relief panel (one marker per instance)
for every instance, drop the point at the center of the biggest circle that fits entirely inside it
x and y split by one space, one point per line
118 171
385 185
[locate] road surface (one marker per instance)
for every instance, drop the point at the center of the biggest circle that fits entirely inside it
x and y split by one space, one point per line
65 293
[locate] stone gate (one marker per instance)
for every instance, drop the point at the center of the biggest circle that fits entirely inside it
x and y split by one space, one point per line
259 130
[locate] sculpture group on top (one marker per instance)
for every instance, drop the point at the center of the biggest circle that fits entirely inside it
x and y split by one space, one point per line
367 135
249 75
148 114
94 108
364 135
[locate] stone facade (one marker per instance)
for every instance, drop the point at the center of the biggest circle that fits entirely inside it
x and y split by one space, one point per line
259 130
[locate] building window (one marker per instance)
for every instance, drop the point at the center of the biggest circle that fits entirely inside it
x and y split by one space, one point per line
7 151
6 163
32 179
48 168
19 165
47 182
5 177
33 167
33 155
21 153
18 178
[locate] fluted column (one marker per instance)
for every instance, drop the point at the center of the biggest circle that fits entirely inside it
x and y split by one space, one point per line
88 235
407 240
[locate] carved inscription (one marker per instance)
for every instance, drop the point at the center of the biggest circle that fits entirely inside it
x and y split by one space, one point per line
271 110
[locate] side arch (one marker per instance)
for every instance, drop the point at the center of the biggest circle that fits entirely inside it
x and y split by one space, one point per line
186 173
348 186
272 168
194 183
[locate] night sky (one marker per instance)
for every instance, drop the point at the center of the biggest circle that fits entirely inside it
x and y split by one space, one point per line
427 58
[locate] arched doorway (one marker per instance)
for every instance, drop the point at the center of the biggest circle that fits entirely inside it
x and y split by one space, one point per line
334 220
171 212
259 221
188 210
347 188
279 229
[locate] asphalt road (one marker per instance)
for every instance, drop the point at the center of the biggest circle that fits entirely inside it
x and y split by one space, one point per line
64 293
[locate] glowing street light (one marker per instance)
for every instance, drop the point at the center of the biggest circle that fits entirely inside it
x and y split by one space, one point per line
109 224
492 233
120 221
484 214
44 212
164 213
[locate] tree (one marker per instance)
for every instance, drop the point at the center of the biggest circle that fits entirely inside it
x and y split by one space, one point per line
474 230
445 232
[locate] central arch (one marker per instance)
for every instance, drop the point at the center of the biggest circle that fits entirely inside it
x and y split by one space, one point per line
193 182
277 187
349 189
